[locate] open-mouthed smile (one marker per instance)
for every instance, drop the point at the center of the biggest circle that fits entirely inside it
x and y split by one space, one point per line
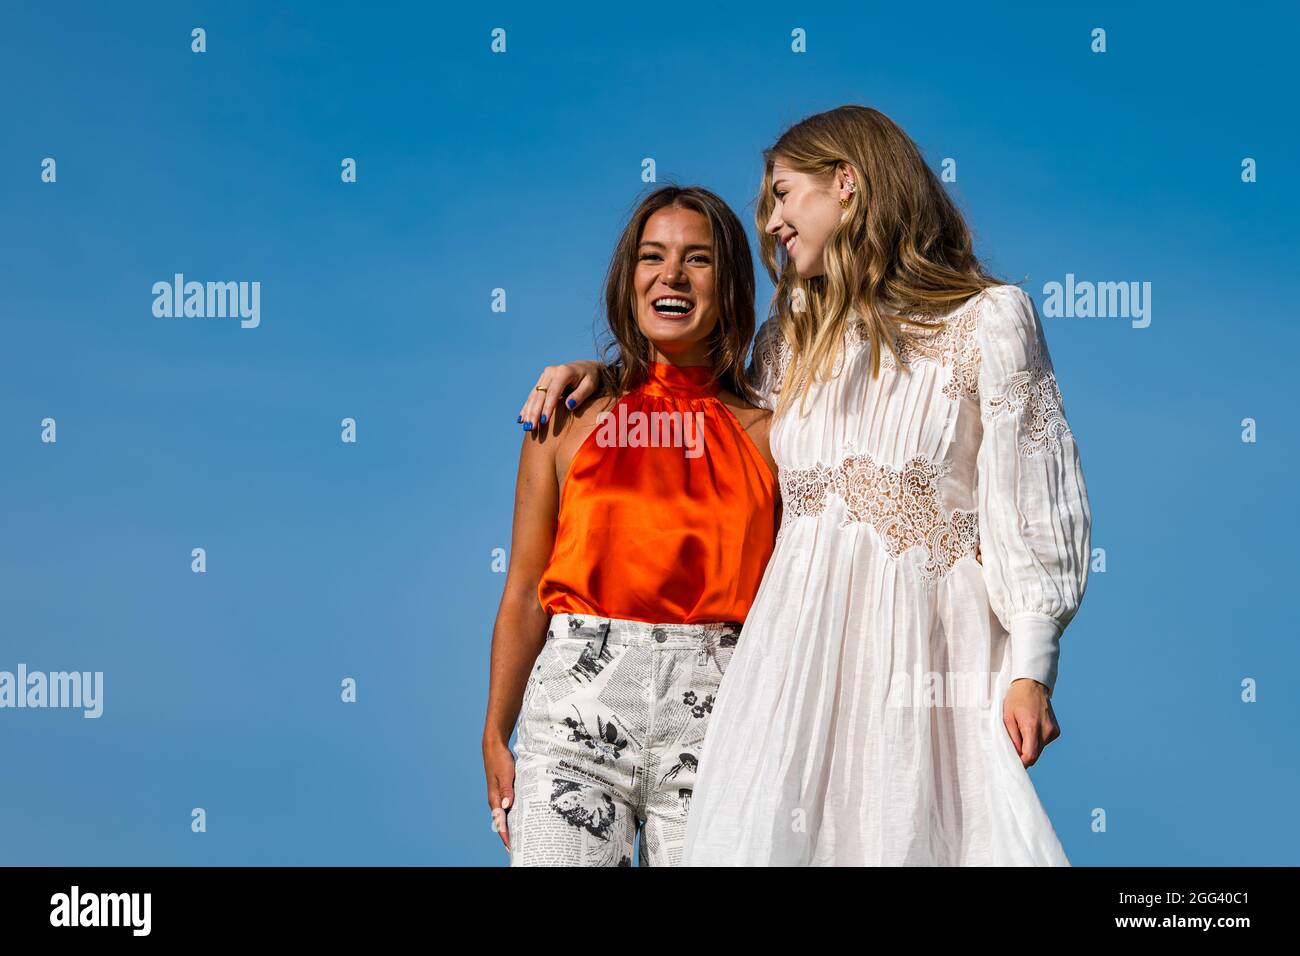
672 307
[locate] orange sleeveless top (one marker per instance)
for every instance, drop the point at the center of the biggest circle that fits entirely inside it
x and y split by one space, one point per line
666 514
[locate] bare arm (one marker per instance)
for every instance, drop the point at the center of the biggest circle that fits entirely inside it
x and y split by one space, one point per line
520 628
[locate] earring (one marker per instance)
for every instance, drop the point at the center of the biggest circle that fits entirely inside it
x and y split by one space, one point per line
852 188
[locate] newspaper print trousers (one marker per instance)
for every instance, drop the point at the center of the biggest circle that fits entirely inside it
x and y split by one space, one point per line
609 739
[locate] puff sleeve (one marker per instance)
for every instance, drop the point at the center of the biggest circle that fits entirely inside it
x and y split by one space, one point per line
1034 517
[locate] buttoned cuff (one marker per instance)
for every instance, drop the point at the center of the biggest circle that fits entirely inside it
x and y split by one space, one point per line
1035 647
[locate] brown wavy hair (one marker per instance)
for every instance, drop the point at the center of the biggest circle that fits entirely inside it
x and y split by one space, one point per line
626 356
900 258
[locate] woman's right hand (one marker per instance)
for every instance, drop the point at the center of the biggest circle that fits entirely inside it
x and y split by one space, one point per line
499 764
555 379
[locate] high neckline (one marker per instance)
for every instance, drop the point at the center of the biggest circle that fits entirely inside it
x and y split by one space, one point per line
680 381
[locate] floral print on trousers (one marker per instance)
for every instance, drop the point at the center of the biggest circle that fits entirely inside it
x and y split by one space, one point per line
610 737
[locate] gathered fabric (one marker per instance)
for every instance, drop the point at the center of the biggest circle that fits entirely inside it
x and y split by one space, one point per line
667 513
934 546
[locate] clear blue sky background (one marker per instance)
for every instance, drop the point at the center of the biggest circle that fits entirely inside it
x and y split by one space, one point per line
477 171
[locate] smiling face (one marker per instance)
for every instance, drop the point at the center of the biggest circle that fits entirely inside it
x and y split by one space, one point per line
676 308
805 212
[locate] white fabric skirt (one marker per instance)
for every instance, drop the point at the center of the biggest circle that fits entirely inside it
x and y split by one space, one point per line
860 720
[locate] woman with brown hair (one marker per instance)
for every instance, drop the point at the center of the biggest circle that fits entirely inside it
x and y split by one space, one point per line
643 522
894 682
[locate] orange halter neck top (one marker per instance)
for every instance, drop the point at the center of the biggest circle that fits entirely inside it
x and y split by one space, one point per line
666 514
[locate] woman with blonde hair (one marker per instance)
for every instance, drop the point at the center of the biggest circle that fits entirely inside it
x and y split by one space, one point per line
894 681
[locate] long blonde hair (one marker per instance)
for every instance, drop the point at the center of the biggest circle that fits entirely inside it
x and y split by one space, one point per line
900 257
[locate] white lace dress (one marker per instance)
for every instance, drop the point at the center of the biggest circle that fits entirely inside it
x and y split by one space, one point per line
860 719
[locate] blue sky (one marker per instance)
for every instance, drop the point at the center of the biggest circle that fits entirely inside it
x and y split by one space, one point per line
479 171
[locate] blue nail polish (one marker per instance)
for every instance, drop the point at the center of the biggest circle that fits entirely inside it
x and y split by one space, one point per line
518 419
570 403
542 421
528 426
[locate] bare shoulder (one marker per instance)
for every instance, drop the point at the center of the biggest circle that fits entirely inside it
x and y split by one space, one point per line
570 428
751 416
756 421
569 424
742 410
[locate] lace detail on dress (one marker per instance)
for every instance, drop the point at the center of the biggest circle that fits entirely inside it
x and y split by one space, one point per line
902 505
955 346
855 336
771 358
804 490
1033 396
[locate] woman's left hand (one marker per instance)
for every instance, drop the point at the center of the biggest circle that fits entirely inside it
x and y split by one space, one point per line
1027 714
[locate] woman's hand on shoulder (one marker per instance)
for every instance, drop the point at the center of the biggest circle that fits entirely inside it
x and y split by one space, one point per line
581 376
